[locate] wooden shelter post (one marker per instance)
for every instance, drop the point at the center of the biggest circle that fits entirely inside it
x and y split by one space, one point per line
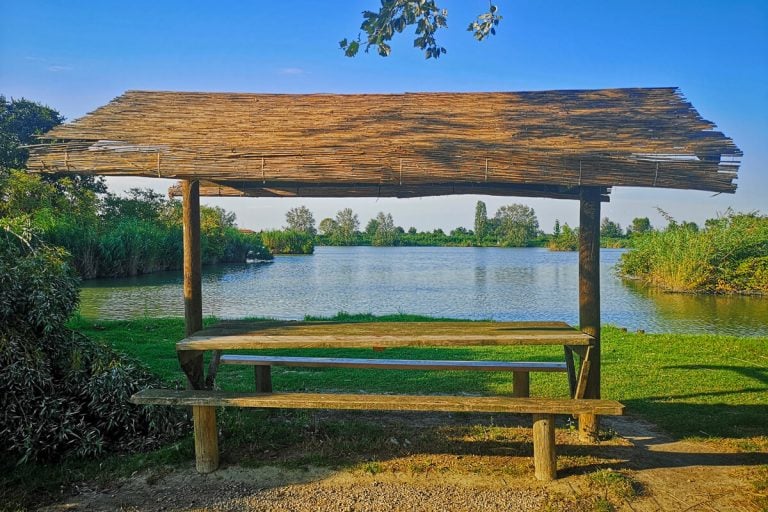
192 360
589 305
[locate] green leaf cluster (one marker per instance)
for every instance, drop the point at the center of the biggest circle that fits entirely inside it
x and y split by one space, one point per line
394 16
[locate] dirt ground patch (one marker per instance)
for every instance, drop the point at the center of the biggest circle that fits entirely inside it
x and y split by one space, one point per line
639 469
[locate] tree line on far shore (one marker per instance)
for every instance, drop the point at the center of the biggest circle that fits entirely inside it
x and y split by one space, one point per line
513 225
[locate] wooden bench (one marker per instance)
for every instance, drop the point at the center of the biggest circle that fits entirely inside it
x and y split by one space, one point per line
520 370
204 405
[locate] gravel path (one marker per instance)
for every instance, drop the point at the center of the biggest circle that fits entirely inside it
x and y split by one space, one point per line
186 491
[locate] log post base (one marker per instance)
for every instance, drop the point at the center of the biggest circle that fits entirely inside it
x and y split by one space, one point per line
588 428
544 460
206 439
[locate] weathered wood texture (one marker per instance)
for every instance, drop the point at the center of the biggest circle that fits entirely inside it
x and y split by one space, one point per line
571 370
206 439
589 427
263 378
191 361
377 402
521 384
394 364
589 303
245 334
544 457
418 143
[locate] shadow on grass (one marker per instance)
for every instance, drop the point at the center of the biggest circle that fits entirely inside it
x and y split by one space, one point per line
751 372
717 420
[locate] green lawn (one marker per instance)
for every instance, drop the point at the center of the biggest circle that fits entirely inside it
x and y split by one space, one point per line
689 385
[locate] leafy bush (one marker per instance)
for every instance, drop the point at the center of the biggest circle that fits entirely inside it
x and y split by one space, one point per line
63 395
566 240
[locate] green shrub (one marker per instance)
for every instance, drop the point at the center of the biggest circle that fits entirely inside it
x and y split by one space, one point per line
288 242
566 240
63 395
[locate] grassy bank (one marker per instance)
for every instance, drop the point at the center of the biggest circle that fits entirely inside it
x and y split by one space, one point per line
690 385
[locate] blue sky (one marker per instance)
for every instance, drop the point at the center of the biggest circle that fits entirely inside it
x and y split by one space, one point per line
78 55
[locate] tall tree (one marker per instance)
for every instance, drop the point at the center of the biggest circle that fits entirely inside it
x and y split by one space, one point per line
640 225
556 230
481 222
328 226
517 225
20 122
371 227
347 225
301 219
386 233
610 229
138 203
394 16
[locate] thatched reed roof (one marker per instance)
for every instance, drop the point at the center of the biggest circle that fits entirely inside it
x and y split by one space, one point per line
325 145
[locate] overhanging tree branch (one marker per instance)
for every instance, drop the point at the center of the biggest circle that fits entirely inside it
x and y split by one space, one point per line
394 16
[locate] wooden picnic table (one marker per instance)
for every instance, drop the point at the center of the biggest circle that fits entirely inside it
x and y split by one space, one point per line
276 334
237 335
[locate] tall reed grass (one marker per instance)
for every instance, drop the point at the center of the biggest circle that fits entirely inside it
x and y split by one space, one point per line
288 242
730 255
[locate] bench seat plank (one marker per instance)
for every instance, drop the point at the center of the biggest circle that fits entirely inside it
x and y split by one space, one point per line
494 404
393 364
245 334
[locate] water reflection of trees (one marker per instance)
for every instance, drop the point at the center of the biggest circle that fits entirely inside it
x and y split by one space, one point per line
731 314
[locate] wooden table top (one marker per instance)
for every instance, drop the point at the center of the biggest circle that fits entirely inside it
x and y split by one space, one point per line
248 334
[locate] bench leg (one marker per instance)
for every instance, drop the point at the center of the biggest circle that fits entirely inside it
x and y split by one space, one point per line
544 459
206 439
263 376
521 384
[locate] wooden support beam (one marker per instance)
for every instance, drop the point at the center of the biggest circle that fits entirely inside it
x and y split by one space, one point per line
544 458
521 384
193 295
192 360
213 369
570 369
589 296
206 438
581 381
263 377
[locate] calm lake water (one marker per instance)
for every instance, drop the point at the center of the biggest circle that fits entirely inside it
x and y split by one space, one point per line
474 283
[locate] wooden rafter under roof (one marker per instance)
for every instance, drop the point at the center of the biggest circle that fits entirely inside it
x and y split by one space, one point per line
546 143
